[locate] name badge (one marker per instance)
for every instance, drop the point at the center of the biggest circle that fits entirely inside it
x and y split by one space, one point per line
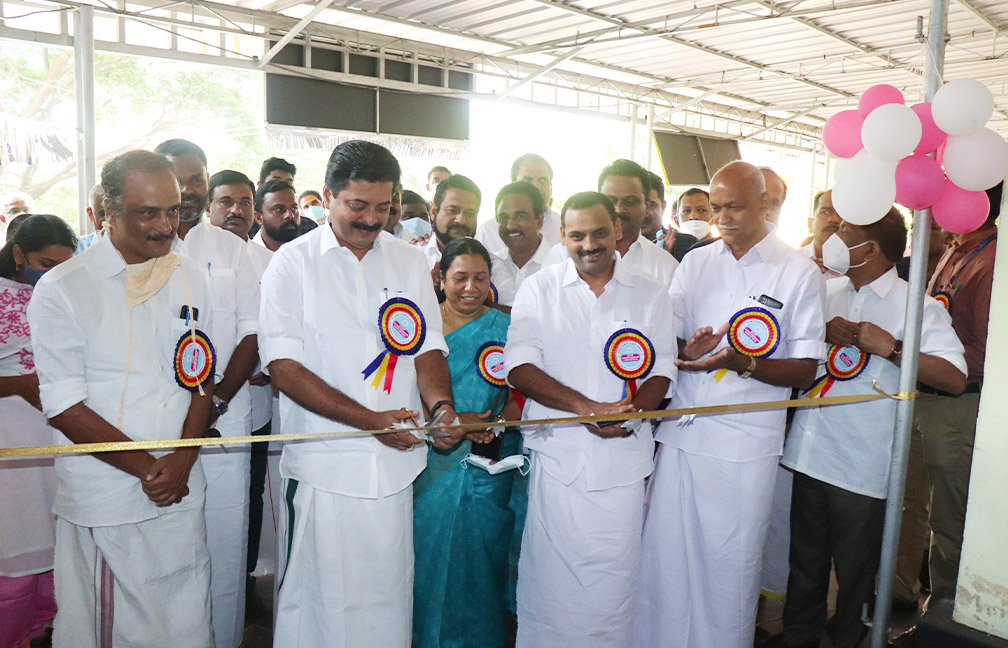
490 363
195 360
403 330
629 355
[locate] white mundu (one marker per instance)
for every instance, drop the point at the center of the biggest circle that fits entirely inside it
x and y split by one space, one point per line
348 524
507 277
127 571
488 232
644 256
850 445
234 288
581 546
713 483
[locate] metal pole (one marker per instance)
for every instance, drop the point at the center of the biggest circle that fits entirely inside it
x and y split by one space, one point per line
84 95
633 131
812 184
650 136
935 63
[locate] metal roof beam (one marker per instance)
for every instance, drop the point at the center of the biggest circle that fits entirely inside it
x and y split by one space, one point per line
968 6
781 122
294 31
541 71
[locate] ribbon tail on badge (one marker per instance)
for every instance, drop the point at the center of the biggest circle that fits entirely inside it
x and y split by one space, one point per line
376 367
820 387
389 372
630 387
719 374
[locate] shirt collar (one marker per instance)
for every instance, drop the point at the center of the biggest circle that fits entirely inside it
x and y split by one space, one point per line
538 257
883 284
764 249
621 272
328 240
107 260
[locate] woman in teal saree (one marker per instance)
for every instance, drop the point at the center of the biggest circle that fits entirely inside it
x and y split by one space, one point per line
462 527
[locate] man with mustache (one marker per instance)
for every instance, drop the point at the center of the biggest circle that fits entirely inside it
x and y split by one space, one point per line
712 489
276 210
519 208
339 305
825 222
235 291
109 328
574 326
453 214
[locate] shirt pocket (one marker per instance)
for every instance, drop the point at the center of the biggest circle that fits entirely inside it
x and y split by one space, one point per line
222 288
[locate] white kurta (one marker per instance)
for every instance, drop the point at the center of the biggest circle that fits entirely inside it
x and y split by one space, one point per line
234 287
581 546
740 450
27 486
80 324
320 309
488 232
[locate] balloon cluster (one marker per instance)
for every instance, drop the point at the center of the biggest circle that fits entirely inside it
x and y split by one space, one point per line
884 147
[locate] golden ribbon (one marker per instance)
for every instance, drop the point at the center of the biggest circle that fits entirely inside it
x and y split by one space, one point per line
167 444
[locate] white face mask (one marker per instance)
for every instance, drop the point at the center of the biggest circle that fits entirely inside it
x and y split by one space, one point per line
836 254
696 228
416 226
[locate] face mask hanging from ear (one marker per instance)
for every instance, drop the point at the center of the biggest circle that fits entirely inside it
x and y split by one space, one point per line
836 254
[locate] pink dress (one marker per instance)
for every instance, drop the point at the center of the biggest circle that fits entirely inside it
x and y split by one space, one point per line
27 488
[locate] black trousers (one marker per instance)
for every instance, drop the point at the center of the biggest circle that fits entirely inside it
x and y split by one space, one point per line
257 486
830 525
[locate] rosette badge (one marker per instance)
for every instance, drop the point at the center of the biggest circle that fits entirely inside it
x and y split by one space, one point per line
753 332
629 355
842 363
490 363
403 330
195 360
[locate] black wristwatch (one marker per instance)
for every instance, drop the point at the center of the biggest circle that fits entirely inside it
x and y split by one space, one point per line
220 406
438 405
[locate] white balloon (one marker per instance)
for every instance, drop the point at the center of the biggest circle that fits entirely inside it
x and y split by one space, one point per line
841 165
962 106
891 132
865 191
976 162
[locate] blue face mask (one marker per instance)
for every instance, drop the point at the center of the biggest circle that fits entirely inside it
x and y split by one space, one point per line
416 226
32 274
316 212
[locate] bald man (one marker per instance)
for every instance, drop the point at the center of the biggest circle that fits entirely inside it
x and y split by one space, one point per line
712 488
776 193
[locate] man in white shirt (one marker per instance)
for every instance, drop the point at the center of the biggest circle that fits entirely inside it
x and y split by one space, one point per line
122 355
234 204
519 207
626 184
776 194
235 292
823 224
533 168
352 339
712 488
454 208
840 455
587 336
95 214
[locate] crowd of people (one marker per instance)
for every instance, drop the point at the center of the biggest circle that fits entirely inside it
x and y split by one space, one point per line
407 337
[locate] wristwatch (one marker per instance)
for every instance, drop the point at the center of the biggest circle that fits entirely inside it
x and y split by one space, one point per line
220 406
896 352
750 369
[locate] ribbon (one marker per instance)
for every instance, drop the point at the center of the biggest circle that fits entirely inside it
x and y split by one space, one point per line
403 330
168 444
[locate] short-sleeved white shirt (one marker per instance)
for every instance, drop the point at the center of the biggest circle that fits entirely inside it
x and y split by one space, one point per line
234 287
559 326
320 308
262 395
644 256
80 324
850 445
488 232
709 288
507 277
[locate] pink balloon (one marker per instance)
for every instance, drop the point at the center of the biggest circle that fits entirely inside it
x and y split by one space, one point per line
960 211
877 95
919 181
841 134
932 137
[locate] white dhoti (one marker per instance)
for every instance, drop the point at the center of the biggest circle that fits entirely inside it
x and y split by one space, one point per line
703 549
580 560
348 577
227 499
143 584
773 583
